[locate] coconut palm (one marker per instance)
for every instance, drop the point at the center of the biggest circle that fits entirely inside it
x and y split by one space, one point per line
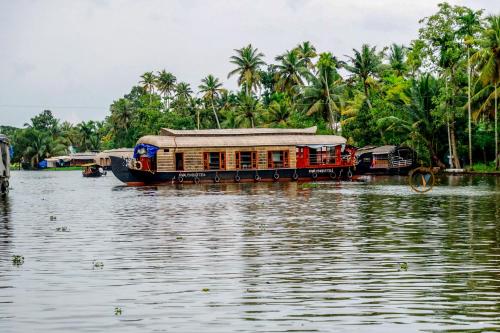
279 111
248 110
148 81
307 52
211 89
488 64
248 62
183 96
122 113
469 25
290 72
397 61
365 65
323 94
165 82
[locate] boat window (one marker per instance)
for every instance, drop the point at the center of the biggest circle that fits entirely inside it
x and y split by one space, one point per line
246 160
322 155
277 159
214 160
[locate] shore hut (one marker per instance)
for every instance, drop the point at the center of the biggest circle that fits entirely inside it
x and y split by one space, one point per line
78 159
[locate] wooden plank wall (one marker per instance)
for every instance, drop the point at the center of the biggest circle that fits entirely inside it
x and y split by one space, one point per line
193 157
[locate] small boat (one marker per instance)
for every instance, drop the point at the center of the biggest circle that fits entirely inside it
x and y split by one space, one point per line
92 170
388 160
5 155
236 155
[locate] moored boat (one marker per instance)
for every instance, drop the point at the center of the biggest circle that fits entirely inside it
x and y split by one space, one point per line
4 164
92 170
388 160
236 155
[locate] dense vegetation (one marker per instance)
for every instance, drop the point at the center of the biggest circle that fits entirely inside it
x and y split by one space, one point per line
438 95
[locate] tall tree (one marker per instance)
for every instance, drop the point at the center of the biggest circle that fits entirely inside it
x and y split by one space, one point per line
289 72
248 62
211 88
323 95
365 65
248 110
306 51
397 61
166 85
148 81
469 25
488 60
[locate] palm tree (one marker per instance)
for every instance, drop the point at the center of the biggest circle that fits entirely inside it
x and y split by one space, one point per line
306 51
148 83
323 94
248 110
210 87
166 85
248 62
279 112
488 61
365 65
86 130
122 113
289 72
183 93
396 57
469 25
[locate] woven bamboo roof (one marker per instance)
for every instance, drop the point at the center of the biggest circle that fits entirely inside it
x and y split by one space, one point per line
241 140
239 131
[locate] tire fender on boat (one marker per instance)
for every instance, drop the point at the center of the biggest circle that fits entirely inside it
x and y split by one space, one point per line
181 180
217 179
314 175
257 178
138 165
196 180
276 176
237 178
333 175
295 176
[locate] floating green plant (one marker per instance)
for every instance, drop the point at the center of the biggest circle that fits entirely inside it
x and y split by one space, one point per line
309 185
403 266
62 229
118 311
17 260
205 290
53 218
97 264
179 237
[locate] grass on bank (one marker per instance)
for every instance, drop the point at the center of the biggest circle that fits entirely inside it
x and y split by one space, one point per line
483 168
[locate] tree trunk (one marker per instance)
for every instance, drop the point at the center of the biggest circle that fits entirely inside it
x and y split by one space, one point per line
251 121
215 114
497 160
434 157
330 114
469 106
367 97
198 118
453 137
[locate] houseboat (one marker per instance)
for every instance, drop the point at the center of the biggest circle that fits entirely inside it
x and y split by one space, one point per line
4 164
236 155
388 159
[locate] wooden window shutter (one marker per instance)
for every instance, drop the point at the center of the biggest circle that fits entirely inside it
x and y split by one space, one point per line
269 159
254 160
222 161
205 161
285 159
238 160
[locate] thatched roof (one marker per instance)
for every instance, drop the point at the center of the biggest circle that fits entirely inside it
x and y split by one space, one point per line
119 152
239 131
376 150
242 140
4 138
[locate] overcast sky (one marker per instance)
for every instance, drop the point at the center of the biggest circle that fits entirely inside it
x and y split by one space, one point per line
76 57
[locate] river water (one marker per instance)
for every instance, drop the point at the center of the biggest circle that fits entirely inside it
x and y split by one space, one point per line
367 256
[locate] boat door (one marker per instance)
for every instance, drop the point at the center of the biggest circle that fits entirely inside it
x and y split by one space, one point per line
179 161
302 157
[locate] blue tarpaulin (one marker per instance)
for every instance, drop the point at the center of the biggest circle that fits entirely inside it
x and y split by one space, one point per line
11 152
42 164
149 149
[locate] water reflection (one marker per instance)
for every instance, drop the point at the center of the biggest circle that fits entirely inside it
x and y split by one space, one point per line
250 257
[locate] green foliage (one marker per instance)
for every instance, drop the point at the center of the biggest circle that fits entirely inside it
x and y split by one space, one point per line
405 95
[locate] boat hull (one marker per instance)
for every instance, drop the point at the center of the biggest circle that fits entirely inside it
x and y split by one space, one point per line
135 177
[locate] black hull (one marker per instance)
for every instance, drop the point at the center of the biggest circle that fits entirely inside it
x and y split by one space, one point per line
362 170
135 177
